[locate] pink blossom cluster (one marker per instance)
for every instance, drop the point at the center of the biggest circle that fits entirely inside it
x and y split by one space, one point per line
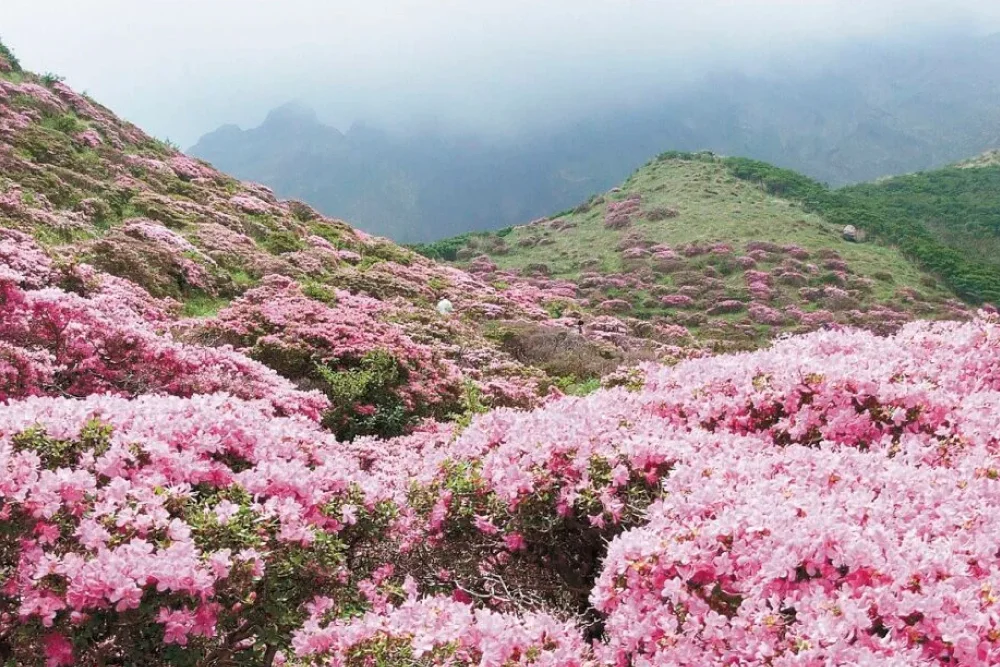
250 204
615 306
162 515
61 343
635 253
141 163
726 306
677 301
762 314
157 233
439 630
619 214
810 499
827 500
666 260
90 138
278 322
22 260
188 169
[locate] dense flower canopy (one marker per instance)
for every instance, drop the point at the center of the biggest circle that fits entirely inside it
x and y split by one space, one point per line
829 500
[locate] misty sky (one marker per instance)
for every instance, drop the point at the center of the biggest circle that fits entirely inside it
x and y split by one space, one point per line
180 68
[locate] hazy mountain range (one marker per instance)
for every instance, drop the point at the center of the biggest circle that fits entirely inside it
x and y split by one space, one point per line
863 114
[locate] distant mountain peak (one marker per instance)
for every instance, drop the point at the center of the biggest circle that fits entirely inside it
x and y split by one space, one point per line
292 113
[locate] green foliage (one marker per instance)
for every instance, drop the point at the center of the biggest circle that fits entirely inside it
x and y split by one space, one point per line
147 207
319 292
437 284
95 438
960 206
387 252
278 242
899 212
320 228
203 305
445 250
555 309
9 56
471 405
571 386
166 146
66 123
364 398
241 279
49 78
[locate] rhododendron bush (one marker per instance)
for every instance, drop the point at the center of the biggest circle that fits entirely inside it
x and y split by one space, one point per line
367 366
105 340
148 526
828 501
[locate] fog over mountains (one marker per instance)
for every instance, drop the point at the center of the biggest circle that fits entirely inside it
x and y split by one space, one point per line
859 114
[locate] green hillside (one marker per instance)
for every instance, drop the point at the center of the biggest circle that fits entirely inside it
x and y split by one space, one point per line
959 207
945 220
718 231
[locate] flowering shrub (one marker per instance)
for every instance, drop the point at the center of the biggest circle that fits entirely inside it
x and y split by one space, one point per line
189 169
59 343
760 508
615 306
331 346
635 253
726 306
762 314
163 529
250 204
677 301
619 214
441 631
90 138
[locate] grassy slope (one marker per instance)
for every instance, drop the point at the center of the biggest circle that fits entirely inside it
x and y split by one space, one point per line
910 212
717 200
714 206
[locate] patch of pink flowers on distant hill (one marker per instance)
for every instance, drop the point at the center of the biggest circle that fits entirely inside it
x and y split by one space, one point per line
189 169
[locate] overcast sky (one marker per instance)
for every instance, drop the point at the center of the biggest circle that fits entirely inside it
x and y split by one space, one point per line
180 68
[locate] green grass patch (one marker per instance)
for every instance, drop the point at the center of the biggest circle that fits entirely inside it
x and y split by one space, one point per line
67 123
279 242
242 280
203 305
319 292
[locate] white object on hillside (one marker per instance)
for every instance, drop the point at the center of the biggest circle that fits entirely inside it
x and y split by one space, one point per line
445 307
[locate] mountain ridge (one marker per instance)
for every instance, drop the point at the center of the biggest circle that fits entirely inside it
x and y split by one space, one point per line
868 114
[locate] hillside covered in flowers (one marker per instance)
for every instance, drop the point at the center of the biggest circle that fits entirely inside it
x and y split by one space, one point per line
738 252
234 432
88 201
